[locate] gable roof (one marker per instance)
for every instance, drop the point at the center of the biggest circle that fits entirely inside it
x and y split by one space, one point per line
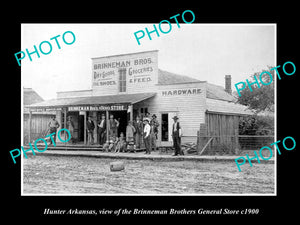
165 78
30 96
218 92
212 92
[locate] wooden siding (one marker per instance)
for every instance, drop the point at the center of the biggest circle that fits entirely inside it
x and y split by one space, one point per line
190 108
39 125
221 124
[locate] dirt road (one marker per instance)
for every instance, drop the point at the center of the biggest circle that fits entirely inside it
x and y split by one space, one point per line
86 175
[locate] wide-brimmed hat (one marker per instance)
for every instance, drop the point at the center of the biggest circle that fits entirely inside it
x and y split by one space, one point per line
146 119
175 118
154 116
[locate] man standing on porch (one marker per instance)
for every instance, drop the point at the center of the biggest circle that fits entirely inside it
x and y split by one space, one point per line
102 129
147 129
113 126
138 124
90 128
53 126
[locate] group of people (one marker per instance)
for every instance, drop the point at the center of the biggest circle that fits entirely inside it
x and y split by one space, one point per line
138 132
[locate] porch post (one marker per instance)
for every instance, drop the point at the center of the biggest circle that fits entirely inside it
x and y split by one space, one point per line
65 122
84 118
96 127
107 125
29 135
131 112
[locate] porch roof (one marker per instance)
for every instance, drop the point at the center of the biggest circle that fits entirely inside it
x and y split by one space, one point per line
229 108
93 100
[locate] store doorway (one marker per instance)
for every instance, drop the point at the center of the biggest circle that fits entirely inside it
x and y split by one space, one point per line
81 128
123 118
166 128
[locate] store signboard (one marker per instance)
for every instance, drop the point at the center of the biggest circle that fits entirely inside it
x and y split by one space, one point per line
49 109
98 108
130 73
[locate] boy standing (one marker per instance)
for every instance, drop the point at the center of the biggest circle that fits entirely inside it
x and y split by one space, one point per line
147 129
90 128
53 126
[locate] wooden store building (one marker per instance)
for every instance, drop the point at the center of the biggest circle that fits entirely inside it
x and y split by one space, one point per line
128 85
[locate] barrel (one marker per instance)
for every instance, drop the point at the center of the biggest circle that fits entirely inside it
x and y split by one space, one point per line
116 166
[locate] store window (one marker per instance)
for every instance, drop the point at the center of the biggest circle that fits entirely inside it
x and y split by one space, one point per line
164 127
122 80
144 111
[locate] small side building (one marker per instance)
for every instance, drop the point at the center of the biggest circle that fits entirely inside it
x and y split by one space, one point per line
39 119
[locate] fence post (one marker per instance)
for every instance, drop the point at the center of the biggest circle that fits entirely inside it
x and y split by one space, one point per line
30 130
201 137
198 137
236 141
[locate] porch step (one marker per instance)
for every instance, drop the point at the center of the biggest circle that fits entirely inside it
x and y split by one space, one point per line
74 147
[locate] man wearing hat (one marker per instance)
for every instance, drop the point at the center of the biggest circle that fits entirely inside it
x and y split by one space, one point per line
138 125
154 131
90 129
147 130
102 129
53 126
176 134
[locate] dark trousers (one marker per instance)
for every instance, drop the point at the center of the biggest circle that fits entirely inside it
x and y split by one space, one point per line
138 140
147 144
102 136
90 137
177 144
53 130
113 132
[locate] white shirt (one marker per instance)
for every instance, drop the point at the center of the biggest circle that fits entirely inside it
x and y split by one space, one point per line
175 128
147 129
101 123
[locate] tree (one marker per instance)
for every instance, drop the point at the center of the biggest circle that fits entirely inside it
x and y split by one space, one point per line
260 99
256 125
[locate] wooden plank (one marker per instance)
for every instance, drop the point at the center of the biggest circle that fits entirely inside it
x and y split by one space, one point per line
107 125
30 116
65 123
254 136
200 153
84 124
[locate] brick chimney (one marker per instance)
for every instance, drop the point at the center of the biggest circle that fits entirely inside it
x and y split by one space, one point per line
228 84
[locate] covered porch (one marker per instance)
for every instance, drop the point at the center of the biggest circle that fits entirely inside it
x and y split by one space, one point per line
79 108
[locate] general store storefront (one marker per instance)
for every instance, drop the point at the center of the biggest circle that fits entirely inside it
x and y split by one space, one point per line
128 85
121 106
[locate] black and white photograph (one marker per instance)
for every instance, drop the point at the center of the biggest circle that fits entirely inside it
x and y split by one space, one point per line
171 108
146 111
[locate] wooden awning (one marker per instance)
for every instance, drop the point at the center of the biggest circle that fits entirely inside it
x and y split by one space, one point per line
92 103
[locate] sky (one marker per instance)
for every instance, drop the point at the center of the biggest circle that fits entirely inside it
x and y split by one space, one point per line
206 52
